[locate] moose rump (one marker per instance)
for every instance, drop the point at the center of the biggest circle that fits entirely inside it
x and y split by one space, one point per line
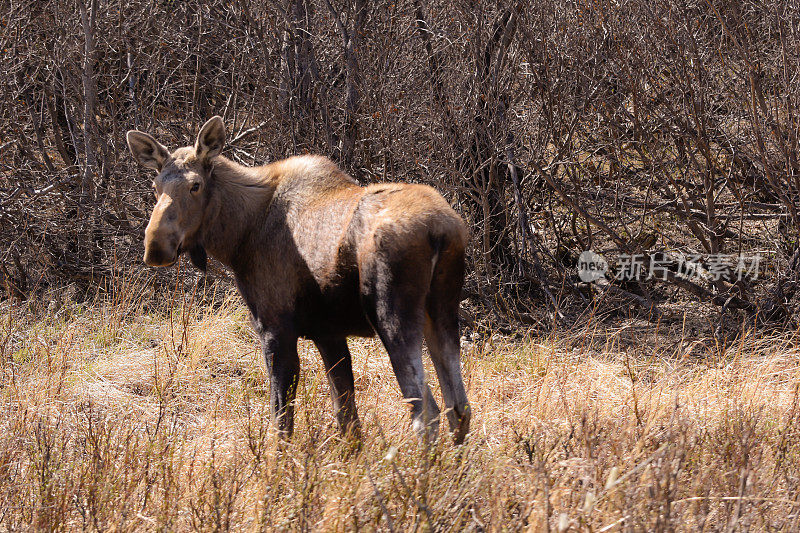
409 264
316 255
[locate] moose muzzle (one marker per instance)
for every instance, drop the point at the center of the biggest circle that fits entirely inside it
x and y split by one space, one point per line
161 239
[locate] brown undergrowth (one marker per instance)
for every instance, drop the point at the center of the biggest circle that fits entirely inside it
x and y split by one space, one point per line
120 415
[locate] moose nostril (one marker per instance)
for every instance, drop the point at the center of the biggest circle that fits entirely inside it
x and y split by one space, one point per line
155 255
161 253
152 255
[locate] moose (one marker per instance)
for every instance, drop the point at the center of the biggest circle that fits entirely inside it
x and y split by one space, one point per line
318 256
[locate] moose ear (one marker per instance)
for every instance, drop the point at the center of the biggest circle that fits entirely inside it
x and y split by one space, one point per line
146 150
211 139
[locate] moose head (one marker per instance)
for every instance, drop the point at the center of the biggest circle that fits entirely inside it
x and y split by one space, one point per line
182 192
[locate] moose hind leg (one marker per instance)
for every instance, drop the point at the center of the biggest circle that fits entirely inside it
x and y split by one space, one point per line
444 340
443 345
405 354
339 370
395 309
283 367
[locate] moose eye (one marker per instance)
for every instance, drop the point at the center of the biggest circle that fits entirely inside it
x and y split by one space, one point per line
195 187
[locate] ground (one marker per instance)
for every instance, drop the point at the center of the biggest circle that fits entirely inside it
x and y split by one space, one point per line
121 413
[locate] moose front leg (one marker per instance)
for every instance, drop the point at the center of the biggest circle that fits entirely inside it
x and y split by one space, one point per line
283 367
339 368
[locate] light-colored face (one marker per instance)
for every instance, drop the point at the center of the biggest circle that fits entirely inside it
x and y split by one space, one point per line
180 187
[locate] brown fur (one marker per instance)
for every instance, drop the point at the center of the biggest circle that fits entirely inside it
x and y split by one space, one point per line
318 256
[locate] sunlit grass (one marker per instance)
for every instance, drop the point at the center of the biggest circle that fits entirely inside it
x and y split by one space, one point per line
121 415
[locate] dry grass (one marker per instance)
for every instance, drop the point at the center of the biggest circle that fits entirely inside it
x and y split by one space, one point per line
119 416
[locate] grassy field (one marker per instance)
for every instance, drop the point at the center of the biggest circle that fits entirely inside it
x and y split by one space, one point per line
127 416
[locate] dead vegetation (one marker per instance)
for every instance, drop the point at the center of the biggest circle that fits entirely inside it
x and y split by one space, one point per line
119 415
553 127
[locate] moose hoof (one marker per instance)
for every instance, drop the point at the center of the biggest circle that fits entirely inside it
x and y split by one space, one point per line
462 426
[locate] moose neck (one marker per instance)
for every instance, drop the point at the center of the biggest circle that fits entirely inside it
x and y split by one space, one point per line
239 197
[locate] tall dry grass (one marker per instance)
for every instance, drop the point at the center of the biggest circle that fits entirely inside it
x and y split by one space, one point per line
128 415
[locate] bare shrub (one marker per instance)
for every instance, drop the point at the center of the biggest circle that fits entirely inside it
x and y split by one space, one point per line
629 128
